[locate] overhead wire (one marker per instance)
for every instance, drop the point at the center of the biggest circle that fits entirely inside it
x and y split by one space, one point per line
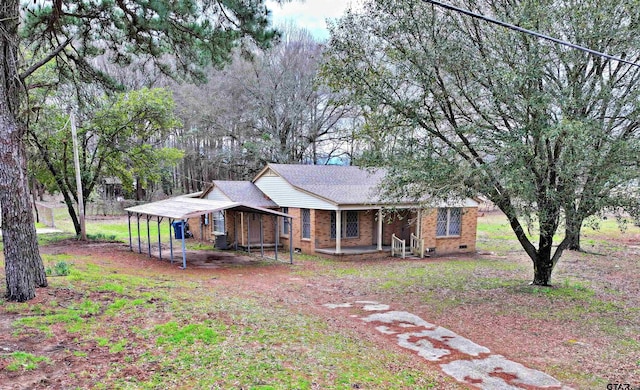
530 32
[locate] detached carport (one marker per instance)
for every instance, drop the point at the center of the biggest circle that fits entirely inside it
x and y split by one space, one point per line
183 208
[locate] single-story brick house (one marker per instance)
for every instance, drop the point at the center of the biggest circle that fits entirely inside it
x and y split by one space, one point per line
327 199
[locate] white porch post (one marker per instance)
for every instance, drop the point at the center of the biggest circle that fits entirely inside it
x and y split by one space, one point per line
380 229
419 225
338 231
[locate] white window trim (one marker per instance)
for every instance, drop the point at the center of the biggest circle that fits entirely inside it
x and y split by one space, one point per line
302 224
448 209
216 221
343 225
285 223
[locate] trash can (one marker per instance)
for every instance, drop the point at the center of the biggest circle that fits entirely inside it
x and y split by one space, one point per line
178 229
221 242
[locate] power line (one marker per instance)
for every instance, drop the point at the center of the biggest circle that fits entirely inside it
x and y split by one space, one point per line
530 32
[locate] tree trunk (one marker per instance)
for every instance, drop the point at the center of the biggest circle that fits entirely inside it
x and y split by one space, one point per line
542 269
574 241
23 265
72 212
572 232
139 189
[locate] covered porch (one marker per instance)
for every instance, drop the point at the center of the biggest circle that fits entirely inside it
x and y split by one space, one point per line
391 231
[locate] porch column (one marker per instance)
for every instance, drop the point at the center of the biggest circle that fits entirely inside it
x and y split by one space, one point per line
338 231
380 216
419 225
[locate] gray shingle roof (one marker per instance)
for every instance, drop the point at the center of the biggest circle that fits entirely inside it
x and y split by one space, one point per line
339 184
244 192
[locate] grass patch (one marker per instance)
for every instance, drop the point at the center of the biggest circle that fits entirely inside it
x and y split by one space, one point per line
60 268
569 290
51 238
24 361
102 237
176 335
454 275
113 287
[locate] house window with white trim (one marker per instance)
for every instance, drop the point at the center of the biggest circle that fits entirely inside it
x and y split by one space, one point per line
449 222
218 222
350 227
285 222
306 223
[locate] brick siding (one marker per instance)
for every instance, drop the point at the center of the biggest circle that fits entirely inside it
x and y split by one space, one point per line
448 245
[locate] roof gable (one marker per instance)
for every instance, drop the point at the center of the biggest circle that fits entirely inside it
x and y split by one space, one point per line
243 192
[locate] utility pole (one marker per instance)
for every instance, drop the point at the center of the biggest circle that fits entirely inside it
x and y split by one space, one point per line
76 162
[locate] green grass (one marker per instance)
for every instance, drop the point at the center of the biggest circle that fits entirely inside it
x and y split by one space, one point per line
177 335
566 290
24 361
184 331
60 268
206 339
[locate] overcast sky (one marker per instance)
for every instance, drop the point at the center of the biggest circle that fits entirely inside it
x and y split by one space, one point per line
310 14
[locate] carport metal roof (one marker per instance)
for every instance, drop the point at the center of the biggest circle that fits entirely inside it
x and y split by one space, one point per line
183 208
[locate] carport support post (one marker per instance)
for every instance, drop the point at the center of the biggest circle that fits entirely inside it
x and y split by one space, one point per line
380 216
261 238
277 233
202 228
171 239
129 225
290 240
159 244
235 229
148 235
248 235
139 243
184 246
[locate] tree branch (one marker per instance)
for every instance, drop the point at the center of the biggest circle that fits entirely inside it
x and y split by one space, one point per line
43 61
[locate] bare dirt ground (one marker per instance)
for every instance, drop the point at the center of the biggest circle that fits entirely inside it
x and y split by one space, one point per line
540 343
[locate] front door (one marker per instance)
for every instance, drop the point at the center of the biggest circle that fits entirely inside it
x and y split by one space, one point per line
405 227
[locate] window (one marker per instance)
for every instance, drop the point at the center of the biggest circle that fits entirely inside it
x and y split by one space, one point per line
218 222
306 223
349 225
449 222
285 222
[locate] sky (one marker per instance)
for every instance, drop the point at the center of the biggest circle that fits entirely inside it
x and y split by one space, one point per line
309 14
